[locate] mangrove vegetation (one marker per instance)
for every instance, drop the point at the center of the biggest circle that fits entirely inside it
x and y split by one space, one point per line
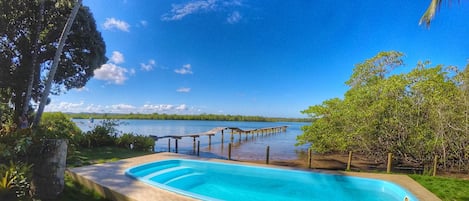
415 115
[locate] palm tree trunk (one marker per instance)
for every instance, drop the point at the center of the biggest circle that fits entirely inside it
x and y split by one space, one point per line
49 166
55 63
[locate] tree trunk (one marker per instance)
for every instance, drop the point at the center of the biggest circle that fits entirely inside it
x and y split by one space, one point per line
55 63
34 62
49 169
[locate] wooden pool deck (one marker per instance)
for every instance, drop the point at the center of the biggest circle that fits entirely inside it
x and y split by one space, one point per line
109 179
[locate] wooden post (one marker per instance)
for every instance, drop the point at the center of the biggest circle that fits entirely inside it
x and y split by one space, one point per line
435 165
198 147
388 170
349 160
222 136
267 155
193 144
209 140
169 144
176 144
310 157
229 151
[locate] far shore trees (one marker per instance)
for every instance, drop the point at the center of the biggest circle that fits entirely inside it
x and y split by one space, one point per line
414 115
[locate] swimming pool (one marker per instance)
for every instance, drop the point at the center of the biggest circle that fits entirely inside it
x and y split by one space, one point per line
225 181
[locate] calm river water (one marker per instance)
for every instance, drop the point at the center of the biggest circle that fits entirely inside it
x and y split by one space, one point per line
252 147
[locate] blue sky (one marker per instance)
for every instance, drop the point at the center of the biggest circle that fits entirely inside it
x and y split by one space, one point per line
269 58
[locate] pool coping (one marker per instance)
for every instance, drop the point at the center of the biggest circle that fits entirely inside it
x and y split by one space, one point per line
109 179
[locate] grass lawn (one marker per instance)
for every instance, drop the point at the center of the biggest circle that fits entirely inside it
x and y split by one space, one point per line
89 156
448 189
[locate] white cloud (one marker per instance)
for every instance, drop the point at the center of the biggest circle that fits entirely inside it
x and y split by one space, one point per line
179 11
181 107
113 23
64 106
120 108
144 23
164 108
132 71
117 57
184 90
186 69
111 73
148 66
234 17
123 107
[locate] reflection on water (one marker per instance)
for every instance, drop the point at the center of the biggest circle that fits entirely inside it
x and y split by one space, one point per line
244 146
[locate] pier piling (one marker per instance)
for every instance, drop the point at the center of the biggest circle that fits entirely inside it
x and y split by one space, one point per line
229 151
169 144
198 147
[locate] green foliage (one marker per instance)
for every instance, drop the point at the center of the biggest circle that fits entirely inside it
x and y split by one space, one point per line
15 145
103 134
57 125
15 177
29 33
7 124
414 115
137 142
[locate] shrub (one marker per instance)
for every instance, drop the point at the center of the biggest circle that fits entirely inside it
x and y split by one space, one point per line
139 142
57 125
103 134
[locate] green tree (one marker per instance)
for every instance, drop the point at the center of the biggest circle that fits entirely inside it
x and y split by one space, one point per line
415 115
83 52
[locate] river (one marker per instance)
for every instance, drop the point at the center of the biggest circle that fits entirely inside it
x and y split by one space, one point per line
251 147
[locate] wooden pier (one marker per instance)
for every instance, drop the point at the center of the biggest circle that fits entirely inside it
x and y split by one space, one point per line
214 131
234 130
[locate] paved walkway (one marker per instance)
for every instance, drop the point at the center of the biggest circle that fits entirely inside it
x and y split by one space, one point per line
109 179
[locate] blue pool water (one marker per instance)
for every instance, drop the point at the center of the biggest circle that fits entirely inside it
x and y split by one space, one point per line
223 181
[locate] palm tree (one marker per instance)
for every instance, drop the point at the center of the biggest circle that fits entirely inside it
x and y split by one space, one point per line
430 12
55 63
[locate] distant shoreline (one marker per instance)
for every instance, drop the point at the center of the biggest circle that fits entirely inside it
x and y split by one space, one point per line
205 117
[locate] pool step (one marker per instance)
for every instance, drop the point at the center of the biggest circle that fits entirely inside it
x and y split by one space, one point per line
185 176
150 170
168 174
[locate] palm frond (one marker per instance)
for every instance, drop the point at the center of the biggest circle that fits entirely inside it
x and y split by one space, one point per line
430 13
